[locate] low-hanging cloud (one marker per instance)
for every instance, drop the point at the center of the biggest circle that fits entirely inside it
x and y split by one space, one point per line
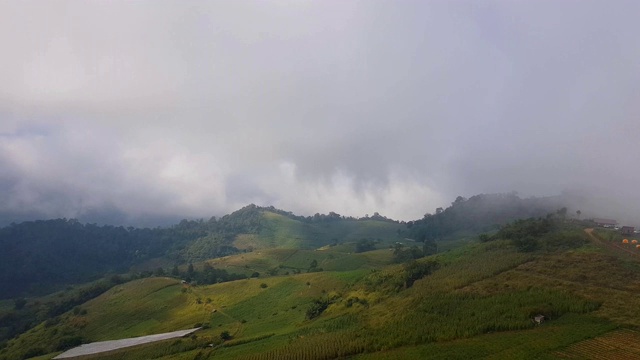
146 112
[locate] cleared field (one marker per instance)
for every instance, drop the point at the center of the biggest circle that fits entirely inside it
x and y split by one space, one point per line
104 346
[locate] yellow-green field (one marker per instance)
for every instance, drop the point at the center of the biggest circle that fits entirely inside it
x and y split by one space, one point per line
280 231
477 303
283 261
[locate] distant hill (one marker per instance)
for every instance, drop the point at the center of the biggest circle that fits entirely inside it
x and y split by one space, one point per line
480 213
39 257
254 227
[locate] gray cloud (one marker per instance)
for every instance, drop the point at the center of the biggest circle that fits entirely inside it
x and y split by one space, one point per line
147 112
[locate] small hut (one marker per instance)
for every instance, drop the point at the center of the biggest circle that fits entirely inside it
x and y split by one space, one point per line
538 319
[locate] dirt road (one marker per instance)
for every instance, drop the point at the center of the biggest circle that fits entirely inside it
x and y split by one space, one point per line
613 246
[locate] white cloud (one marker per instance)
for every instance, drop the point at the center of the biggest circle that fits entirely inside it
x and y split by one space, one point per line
194 109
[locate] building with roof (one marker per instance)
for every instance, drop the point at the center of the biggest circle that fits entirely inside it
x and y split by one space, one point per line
608 223
627 230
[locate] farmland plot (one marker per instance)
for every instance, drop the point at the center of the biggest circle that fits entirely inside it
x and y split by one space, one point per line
619 344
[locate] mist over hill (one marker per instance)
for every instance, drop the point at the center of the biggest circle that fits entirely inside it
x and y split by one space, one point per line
37 253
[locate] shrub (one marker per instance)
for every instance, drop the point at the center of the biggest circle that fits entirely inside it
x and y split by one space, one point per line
484 238
526 244
365 245
33 352
416 270
317 307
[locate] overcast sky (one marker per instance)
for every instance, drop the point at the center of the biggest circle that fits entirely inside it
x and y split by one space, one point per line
148 111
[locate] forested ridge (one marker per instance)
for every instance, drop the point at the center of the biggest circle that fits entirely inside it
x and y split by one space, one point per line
479 213
39 255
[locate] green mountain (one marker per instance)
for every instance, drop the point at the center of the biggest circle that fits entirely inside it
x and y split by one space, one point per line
264 283
253 227
476 301
480 213
42 256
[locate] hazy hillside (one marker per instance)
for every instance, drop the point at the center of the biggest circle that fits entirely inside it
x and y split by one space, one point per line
476 301
480 213
40 256
254 227
36 254
283 285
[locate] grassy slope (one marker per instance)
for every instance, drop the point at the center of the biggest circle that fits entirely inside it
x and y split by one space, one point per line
538 343
592 272
140 307
478 304
156 305
279 231
288 260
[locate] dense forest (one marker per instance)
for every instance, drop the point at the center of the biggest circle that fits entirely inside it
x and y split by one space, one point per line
38 255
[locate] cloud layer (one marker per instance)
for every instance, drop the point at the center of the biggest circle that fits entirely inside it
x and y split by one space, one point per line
148 112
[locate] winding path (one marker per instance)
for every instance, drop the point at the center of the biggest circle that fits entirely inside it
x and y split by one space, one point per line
595 238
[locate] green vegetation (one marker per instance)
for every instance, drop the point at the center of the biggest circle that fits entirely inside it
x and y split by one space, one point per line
45 247
331 287
39 257
480 213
